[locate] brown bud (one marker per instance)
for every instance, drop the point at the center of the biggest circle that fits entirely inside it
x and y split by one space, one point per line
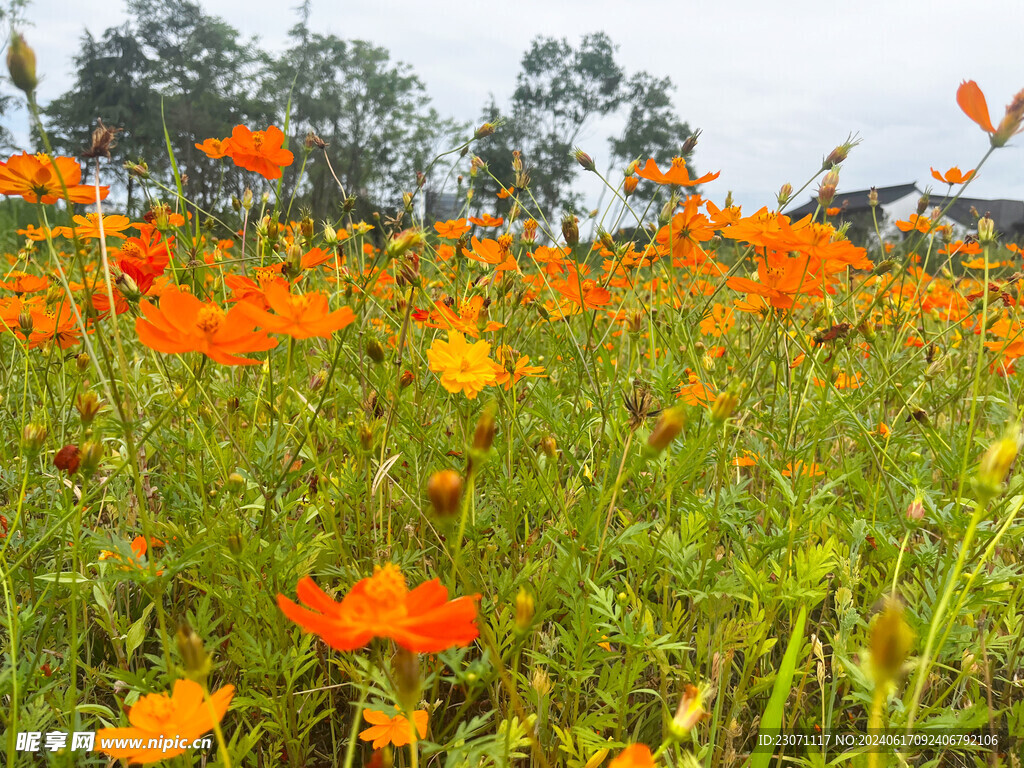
585 160
483 435
690 143
445 491
548 446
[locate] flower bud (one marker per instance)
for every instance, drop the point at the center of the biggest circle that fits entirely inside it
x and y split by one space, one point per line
548 446
629 185
193 655
570 230
585 160
82 362
236 543
690 144
725 404
524 610
406 379
915 510
873 197
986 230
235 483
1011 122
688 714
317 380
669 425
21 64
247 199
922 205
33 436
785 194
90 456
485 130
483 435
890 642
88 405
995 464
366 437
827 188
375 351
405 666
445 491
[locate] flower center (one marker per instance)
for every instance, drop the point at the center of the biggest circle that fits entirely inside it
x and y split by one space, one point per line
210 319
678 162
257 140
387 586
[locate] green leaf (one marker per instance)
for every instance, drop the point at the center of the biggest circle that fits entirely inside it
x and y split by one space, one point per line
772 718
137 632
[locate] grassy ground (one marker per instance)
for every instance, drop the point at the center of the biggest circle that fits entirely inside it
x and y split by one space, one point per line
735 476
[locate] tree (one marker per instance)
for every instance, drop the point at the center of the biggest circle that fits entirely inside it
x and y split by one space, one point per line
653 129
373 113
559 90
171 65
111 83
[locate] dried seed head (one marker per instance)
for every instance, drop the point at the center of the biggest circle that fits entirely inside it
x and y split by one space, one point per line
102 140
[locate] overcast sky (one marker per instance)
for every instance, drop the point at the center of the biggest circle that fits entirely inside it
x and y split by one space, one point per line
773 85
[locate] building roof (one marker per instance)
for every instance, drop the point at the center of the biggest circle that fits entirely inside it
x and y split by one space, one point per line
1008 215
858 200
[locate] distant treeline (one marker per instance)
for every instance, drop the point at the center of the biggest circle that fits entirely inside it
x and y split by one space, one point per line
172 74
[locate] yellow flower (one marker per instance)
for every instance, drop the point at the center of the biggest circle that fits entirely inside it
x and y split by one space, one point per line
463 367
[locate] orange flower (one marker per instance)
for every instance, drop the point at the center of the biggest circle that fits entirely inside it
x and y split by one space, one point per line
395 730
797 468
452 229
88 227
36 178
511 373
297 315
139 548
487 220
634 756
972 102
259 151
718 321
422 620
953 176
676 174
215 149
184 715
464 367
183 323
920 223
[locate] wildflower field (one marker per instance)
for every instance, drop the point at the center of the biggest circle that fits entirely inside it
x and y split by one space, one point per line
676 485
